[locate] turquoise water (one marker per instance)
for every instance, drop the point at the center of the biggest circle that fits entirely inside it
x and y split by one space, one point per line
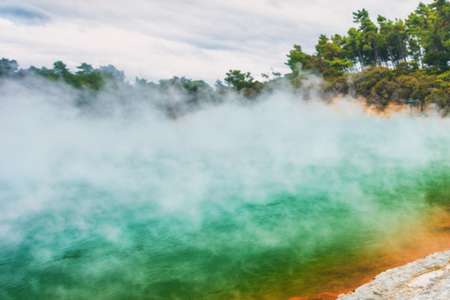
203 208
129 251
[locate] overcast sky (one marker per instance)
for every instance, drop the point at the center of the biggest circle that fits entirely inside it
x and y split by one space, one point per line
161 38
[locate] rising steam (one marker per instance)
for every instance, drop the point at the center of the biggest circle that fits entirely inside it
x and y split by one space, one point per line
122 198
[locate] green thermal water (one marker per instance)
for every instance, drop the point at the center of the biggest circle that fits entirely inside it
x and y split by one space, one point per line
121 251
252 218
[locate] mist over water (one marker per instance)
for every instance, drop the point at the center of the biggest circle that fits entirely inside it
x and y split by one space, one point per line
233 201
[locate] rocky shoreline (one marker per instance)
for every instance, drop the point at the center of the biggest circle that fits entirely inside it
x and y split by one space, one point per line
427 278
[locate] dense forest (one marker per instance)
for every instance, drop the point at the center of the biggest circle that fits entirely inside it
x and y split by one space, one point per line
406 62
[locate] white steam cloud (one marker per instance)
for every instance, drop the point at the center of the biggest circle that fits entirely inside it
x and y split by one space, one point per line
70 175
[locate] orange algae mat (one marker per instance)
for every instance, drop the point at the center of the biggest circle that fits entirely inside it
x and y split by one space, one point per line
413 241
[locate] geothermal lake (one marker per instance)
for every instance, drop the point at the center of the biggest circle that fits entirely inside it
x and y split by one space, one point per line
279 200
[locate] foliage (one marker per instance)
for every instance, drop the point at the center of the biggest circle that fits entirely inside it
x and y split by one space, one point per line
243 82
402 61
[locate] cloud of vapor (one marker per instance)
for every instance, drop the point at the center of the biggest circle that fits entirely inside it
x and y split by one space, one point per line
277 173
48 141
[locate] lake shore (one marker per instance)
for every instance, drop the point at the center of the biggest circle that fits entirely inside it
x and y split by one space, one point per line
426 278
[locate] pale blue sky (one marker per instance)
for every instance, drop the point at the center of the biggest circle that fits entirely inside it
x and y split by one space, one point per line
158 39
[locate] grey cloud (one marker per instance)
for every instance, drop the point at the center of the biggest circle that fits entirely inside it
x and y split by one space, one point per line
23 14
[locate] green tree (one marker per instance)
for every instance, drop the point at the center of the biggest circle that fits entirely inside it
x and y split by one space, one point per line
332 60
60 69
239 80
88 77
8 67
354 46
85 68
370 38
437 51
429 28
393 40
299 60
243 83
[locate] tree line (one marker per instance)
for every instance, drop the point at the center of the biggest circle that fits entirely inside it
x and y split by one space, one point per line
421 41
402 61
